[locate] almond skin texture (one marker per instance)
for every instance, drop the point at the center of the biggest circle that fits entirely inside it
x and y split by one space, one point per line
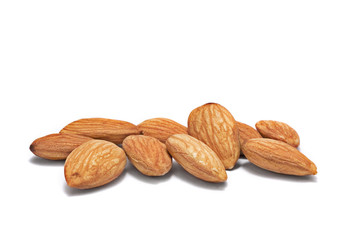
93 164
102 128
57 146
279 157
245 133
216 127
196 158
147 154
278 131
161 128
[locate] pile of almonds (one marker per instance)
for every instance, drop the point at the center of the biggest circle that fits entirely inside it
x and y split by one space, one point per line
210 144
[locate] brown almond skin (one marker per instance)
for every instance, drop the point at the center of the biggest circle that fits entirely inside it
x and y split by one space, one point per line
245 133
196 158
161 128
214 125
148 155
102 128
93 164
278 131
57 146
279 157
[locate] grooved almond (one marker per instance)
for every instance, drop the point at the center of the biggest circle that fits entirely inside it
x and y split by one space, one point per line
196 158
102 128
161 128
214 125
147 154
277 156
56 146
245 133
93 164
278 131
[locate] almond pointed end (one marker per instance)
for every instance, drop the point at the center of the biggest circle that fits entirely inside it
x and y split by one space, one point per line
32 148
313 169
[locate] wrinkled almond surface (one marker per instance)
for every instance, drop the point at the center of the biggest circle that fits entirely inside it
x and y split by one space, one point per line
57 146
278 131
93 164
102 128
196 158
215 126
278 156
245 133
147 154
161 128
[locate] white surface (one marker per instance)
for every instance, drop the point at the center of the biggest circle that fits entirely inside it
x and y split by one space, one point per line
293 61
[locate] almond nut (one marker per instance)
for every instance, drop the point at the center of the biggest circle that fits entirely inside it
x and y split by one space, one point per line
102 128
196 158
277 156
147 154
215 126
278 131
57 146
161 128
93 164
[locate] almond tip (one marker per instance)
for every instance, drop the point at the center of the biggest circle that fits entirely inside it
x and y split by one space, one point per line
32 148
313 169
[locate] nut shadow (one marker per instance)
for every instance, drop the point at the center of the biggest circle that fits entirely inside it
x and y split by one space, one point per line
71 192
249 167
46 162
179 172
131 170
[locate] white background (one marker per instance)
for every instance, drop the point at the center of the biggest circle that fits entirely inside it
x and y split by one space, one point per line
292 61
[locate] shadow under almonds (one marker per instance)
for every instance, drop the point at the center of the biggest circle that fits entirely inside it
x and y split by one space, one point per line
131 170
46 162
179 172
78 192
248 166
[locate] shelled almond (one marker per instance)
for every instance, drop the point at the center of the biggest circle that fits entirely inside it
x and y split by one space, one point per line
161 128
196 158
93 164
102 128
148 155
57 146
278 131
277 156
214 125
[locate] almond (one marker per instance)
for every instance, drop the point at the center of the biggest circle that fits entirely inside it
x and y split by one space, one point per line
161 128
278 131
245 133
102 128
93 164
277 156
196 158
147 154
214 125
57 146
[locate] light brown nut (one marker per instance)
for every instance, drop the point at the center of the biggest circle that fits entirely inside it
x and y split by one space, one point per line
147 154
245 133
93 164
196 158
215 126
277 156
278 131
102 128
161 128
56 146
